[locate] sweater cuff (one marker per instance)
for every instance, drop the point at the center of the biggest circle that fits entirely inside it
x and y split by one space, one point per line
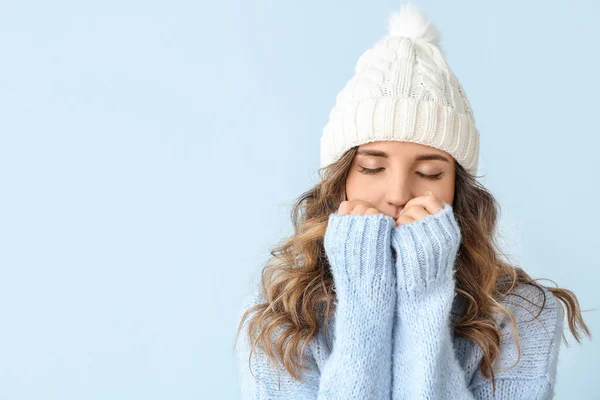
360 252
426 251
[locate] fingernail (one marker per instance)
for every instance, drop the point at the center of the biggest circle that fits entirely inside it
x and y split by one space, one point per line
428 193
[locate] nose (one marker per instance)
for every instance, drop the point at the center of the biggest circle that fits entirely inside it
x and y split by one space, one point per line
398 191
396 199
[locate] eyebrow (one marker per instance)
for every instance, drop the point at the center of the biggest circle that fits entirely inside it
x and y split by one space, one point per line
420 157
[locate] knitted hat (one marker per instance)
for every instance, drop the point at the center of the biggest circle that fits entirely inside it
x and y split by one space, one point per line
403 90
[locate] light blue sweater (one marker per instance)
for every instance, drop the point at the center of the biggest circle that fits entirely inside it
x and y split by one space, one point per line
391 335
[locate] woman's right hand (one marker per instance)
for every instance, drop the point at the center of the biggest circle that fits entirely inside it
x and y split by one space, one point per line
357 207
357 243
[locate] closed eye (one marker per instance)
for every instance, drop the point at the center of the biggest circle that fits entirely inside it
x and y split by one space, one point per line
432 177
370 171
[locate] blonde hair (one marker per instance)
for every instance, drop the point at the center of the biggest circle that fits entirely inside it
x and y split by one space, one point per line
296 281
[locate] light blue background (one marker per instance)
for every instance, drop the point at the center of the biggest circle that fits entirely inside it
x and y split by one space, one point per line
150 153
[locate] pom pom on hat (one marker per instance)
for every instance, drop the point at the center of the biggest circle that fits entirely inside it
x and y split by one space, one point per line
412 23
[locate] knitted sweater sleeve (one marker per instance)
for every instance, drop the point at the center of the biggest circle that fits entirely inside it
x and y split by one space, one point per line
358 249
425 365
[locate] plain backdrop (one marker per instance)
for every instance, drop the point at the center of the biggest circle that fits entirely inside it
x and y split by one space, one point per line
150 153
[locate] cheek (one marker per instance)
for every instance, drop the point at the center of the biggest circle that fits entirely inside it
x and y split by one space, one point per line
443 189
352 185
363 187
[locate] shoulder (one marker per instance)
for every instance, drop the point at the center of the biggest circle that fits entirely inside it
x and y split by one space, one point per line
539 317
243 343
538 312
276 330
249 300
260 373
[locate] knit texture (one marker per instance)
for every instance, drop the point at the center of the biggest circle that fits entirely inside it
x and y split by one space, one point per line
391 335
403 90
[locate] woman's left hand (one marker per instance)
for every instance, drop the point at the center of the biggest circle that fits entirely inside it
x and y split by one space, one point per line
425 249
419 208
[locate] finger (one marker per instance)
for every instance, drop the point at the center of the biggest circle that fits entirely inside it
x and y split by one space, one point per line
416 212
371 211
404 219
359 209
430 203
359 201
348 205
345 207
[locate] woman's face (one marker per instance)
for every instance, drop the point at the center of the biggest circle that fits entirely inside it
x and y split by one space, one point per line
388 174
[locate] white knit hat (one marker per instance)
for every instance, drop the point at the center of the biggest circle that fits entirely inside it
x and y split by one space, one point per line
404 90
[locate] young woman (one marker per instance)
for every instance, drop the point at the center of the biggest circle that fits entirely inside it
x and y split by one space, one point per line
392 285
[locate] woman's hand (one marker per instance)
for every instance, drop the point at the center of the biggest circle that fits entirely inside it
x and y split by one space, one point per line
357 207
357 243
420 207
426 248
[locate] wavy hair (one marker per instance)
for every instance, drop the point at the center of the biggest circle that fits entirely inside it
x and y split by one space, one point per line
297 283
